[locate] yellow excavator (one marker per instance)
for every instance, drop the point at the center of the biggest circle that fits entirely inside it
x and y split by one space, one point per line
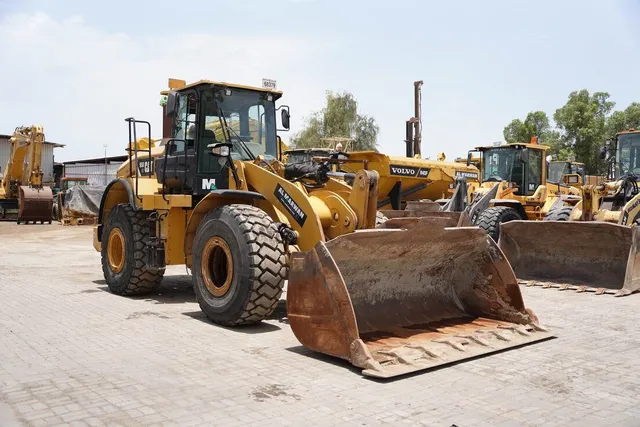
592 245
23 197
410 295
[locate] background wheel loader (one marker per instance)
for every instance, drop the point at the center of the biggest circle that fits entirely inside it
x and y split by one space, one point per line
592 246
23 197
412 295
514 186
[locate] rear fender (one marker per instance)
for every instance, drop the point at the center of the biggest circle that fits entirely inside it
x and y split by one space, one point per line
212 201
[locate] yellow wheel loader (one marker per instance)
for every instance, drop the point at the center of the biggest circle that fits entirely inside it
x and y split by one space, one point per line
23 197
514 186
592 246
413 294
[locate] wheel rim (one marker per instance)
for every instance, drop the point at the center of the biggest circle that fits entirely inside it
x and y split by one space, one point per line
217 267
115 250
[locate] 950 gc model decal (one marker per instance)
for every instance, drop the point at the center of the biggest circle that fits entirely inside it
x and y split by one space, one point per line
412 171
290 205
468 175
145 167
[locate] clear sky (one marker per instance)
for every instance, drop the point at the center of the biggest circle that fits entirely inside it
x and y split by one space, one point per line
80 67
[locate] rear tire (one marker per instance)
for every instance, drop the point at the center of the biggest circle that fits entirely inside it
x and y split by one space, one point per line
559 214
123 256
491 218
239 265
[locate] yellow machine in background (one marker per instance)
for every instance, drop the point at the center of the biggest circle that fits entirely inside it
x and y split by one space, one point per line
403 180
514 186
23 196
594 244
390 300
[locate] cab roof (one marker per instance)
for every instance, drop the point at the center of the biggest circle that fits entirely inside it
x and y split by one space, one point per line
180 85
628 131
515 145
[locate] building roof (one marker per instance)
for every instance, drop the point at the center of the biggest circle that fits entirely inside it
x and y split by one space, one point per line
100 160
55 144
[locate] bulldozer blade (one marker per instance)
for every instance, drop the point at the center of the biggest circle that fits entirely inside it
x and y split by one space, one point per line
599 257
35 204
398 300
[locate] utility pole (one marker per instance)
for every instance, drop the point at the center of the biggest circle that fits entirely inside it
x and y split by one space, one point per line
105 164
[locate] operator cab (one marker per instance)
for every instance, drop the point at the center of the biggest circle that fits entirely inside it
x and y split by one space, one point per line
558 169
518 164
207 113
627 154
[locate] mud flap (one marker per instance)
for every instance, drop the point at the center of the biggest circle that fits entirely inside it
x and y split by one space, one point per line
399 300
600 257
35 204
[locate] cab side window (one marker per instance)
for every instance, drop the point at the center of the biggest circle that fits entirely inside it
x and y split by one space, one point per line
185 123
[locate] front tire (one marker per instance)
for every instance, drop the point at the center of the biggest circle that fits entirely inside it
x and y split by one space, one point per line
123 256
560 214
491 218
239 265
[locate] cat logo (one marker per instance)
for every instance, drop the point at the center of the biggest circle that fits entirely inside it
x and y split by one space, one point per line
209 184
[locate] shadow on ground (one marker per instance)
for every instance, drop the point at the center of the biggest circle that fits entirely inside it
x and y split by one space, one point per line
172 290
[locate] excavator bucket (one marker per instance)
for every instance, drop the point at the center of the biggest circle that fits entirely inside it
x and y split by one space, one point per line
413 295
600 257
35 204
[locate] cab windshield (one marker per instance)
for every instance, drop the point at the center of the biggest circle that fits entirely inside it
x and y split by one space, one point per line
501 164
628 155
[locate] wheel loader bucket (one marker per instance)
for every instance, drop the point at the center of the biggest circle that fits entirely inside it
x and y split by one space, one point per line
35 204
585 256
412 296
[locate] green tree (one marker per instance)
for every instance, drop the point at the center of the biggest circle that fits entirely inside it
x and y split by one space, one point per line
537 124
339 118
582 122
622 120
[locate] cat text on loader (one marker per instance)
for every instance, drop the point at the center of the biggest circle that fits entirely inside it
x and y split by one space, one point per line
23 197
391 300
514 186
592 246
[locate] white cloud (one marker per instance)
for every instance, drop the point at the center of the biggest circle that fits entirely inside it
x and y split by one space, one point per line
80 83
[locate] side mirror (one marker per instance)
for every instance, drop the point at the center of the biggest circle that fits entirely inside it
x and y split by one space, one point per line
284 115
603 152
524 155
221 149
172 104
